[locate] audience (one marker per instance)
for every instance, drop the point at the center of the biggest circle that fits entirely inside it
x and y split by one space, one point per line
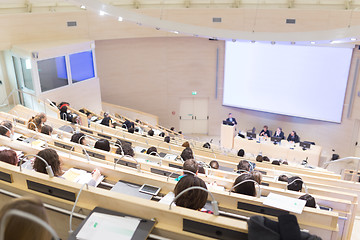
9 156
243 166
52 158
276 162
20 228
214 164
295 184
266 159
207 145
46 129
162 134
89 115
167 139
131 130
186 154
241 153
283 178
5 126
193 199
152 151
106 121
79 138
102 144
126 147
37 121
279 133
247 188
310 200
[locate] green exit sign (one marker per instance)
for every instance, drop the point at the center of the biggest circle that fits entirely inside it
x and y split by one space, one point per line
194 92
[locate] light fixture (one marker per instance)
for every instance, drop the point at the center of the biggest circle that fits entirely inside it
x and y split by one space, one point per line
312 42
176 32
102 13
120 19
28 63
353 39
82 7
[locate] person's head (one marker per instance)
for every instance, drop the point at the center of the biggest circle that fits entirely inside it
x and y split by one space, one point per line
9 156
152 151
42 117
266 159
283 178
52 158
293 133
79 138
106 114
295 184
151 132
127 150
247 188
6 128
63 109
46 129
186 144
193 199
191 165
310 200
259 158
186 154
131 130
207 145
241 153
279 130
89 115
20 228
257 176
266 128
167 139
162 134
243 165
201 169
285 162
102 144
276 162
172 128
214 164
230 115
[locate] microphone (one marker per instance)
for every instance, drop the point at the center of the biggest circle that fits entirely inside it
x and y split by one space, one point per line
73 209
48 167
36 129
138 166
214 203
248 180
28 216
84 150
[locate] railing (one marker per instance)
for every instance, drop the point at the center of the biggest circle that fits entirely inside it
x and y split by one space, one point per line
326 164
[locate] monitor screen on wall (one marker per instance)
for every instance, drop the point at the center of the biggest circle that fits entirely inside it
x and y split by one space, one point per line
301 81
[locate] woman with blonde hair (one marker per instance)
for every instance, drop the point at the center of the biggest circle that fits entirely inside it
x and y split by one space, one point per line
35 123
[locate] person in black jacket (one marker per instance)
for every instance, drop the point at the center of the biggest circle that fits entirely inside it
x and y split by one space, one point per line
231 119
279 133
106 120
293 137
265 131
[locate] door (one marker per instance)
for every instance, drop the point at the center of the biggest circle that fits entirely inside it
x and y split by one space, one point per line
194 115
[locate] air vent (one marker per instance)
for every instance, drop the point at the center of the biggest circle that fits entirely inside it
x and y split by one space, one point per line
216 19
71 24
290 21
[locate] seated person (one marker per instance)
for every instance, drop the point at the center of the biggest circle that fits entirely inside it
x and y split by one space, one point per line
214 164
193 199
310 200
127 124
295 184
247 188
79 138
89 115
231 119
265 132
106 121
201 169
259 158
241 153
243 166
35 123
52 158
283 178
189 165
266 159
65 113
102 144
5 126
257 176
46 129
186 144
151 132
162 134
186 154
167 139
279 133
131 130
152 151
22 228
126 147
9 156
207 145
276 162
293 137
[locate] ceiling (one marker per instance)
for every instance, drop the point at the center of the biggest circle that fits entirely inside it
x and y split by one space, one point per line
26 6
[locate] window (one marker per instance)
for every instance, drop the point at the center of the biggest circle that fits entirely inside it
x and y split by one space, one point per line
82 66
52 73
26 70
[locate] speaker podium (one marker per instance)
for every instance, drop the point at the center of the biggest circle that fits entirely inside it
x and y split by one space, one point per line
227 136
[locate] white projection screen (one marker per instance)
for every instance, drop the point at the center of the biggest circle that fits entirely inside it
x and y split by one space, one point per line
301 81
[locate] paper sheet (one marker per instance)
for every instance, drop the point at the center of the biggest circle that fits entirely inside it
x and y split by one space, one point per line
109 227
286 203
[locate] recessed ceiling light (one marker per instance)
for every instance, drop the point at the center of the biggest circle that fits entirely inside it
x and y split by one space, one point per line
102 13
120 19
353 39
176 32
312 42
82 7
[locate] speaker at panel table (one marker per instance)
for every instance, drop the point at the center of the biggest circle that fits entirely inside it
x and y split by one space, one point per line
231 121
